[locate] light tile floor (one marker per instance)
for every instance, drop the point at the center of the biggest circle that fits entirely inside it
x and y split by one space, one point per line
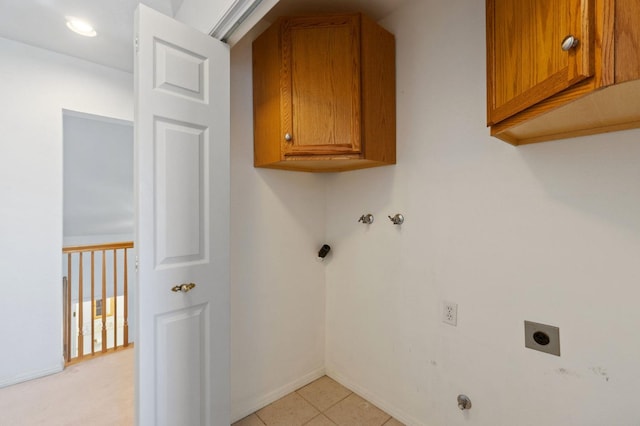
323 402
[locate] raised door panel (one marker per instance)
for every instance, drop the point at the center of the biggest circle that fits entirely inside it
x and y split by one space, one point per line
182 387
525 61
321 85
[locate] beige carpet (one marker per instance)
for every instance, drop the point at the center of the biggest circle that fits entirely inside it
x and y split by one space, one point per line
98 392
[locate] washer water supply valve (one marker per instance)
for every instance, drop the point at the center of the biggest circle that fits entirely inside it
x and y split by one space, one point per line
398 219
367 219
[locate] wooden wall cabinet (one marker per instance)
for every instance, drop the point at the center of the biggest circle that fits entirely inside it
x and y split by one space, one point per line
539 89
324 94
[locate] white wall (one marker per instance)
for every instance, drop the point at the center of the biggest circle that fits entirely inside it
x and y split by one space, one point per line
277 286
547 232
36 85
98 176
202 14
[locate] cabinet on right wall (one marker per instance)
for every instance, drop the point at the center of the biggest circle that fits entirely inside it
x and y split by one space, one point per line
562 68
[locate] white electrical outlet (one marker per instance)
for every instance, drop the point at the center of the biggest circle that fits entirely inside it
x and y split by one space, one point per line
450 313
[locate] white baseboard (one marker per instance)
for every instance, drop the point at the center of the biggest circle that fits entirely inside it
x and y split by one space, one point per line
373 398
30 376
241 411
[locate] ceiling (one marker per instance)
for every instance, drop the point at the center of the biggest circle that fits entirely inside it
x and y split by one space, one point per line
41 23
375 9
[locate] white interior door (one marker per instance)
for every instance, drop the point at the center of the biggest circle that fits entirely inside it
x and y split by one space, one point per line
182 236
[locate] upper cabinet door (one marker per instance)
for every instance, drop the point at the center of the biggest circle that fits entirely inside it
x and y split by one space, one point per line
527 60
320 86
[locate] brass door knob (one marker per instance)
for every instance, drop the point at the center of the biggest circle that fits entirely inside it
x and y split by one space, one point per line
183 288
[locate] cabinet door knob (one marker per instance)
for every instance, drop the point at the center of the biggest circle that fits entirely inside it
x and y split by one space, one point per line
288 137
569 43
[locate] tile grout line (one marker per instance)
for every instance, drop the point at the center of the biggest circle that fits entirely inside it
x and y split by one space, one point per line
386 421
260 418
322 414
307 401
318 408
364 399
338 402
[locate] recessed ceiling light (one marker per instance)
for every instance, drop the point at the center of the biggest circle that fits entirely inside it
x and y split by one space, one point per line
81 27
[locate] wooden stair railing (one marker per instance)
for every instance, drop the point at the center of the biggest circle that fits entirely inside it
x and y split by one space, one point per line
101 308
